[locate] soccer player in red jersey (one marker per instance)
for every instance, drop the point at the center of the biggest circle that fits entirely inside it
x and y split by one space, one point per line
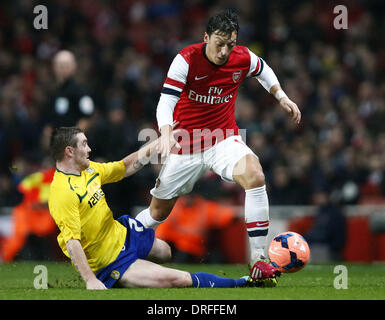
199 94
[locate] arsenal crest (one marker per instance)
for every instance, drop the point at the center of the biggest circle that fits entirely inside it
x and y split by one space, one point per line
237 76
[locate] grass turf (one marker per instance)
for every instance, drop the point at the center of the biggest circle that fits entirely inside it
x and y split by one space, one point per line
314 282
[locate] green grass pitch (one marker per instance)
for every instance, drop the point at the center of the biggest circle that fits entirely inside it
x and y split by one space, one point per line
314 282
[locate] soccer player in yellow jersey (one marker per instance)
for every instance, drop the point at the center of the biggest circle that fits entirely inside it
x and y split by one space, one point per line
108 252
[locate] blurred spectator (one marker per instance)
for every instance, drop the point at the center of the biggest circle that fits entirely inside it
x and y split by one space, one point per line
112 138
191 229
31 216
9 195
281 189
329 227
71 104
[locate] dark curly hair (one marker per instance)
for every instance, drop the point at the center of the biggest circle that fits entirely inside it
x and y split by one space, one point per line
225 22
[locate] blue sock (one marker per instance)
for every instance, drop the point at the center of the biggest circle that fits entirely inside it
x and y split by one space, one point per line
208 280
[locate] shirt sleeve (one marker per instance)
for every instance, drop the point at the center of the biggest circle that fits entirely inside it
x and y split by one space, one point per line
260 70
172 88
267 78
256 65
176 76
165 109
109 172
64 208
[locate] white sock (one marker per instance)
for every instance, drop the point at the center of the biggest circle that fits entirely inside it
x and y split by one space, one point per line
257 221
145 218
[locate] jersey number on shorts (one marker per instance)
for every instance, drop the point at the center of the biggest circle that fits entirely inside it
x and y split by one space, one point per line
134 224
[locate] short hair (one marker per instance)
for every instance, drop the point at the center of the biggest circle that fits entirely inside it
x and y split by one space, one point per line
225 22
61 138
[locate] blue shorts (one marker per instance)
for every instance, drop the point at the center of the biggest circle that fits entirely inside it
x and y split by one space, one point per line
138 244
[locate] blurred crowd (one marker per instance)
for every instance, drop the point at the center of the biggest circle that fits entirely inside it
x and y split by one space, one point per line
123 49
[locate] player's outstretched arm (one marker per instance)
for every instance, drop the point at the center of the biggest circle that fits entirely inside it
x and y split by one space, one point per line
286 104
80 262
137 160
269 81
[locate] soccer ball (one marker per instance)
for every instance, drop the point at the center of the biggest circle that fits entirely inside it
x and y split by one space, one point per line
289 252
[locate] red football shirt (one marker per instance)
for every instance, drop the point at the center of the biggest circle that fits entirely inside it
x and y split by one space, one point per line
207 93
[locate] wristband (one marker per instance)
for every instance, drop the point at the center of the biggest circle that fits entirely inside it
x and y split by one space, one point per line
280 94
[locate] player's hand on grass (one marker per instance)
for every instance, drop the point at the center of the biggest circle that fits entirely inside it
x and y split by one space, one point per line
95 284
291 108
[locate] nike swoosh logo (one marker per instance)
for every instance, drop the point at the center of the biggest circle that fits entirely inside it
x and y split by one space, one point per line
200 78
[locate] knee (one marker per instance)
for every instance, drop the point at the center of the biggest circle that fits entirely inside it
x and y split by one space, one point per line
161 252
166 254
257 179
254 179
248 173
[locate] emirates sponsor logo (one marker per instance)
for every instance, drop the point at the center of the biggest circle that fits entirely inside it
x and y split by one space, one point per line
213 96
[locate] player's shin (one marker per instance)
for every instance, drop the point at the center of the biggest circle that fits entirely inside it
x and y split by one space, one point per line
257 221
209 280
147 221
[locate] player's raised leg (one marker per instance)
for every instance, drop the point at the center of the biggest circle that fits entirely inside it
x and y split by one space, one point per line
177 177
249 174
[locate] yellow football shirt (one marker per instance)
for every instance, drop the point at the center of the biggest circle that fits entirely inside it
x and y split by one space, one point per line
78 206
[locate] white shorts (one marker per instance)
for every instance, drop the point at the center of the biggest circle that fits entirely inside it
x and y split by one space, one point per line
180 172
